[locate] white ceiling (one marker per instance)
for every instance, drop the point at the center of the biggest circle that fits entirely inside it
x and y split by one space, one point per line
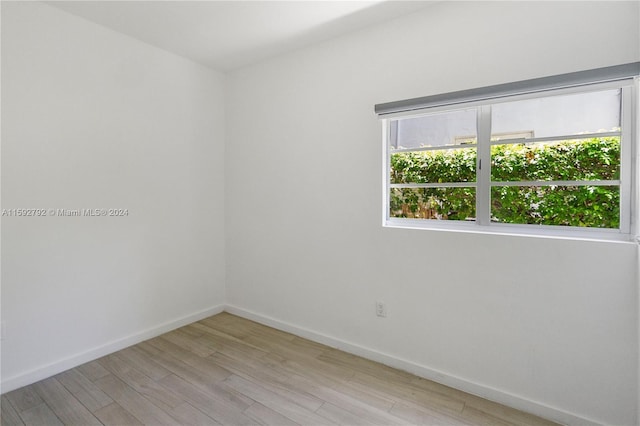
227 35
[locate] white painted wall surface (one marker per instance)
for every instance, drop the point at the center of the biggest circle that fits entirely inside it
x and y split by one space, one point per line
94 119
550 321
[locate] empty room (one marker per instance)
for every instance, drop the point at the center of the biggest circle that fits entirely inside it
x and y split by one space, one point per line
320 212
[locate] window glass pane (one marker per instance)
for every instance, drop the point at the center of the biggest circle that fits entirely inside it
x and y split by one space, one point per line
433 203
583 206
441 129
575 114
582 159
438 166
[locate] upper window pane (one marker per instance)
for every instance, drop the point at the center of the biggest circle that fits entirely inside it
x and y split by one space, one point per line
595 112
440 129
575 159
437 166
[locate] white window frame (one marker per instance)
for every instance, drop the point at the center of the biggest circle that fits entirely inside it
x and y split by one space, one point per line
629 163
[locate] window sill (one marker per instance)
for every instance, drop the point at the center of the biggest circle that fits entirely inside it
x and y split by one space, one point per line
535 231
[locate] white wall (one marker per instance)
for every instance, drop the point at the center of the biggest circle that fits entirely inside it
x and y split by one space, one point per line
94 119
548 323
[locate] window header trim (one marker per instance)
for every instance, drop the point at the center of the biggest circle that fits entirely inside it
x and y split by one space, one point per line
579 78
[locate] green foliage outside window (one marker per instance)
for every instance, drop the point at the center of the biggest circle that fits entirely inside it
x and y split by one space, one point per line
572 205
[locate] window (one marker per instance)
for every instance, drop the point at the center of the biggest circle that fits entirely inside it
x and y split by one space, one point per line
546 156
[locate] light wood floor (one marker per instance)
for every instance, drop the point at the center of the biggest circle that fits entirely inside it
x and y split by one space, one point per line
228 370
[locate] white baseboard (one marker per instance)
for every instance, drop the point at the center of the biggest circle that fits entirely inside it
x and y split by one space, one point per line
487 392
54 368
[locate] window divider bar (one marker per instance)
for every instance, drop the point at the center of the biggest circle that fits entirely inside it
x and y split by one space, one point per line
555 138
433 185
433 148
483 168
557 183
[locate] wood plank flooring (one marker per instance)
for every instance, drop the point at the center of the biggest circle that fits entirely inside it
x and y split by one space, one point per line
231 371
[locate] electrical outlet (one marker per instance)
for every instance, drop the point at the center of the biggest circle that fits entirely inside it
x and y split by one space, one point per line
381 309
